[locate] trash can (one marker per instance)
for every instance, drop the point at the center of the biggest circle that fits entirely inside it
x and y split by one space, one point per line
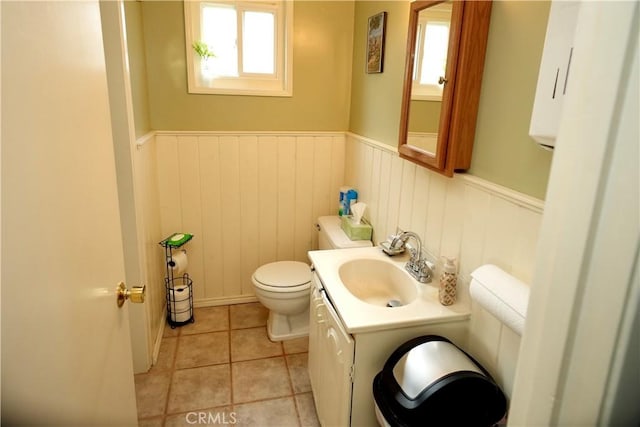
429 381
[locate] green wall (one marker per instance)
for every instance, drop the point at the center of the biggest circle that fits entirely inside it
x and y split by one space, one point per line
376 98
332 92
503 151
323 34
424 116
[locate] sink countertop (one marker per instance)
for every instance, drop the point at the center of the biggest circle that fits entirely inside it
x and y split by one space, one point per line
359 316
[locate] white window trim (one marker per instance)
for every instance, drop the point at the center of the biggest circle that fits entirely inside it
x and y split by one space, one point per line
254 85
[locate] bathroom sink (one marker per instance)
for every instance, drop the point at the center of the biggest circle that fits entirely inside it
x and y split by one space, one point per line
378 282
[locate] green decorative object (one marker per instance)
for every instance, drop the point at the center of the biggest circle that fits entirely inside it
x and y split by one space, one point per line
202 49
354 231
176 240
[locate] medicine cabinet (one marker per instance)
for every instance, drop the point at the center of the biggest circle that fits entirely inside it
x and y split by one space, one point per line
446 47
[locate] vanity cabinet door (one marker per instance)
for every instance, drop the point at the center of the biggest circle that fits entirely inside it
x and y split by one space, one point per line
315 339
331 353
338 362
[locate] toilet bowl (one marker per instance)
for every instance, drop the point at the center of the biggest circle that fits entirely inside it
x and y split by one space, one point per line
284 287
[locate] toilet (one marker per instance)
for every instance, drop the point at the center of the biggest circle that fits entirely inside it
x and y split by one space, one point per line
284 286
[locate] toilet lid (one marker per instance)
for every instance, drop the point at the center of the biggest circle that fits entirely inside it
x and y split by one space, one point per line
283 274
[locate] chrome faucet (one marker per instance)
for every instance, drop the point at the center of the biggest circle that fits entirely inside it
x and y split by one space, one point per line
417 265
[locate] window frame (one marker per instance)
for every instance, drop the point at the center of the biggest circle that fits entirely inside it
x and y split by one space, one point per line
279 84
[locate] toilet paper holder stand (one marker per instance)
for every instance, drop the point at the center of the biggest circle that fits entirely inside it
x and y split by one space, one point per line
179 288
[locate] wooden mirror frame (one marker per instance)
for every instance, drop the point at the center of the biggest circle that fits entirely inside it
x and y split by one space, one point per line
459 109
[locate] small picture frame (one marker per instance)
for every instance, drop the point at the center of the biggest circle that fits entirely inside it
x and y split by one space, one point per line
375 42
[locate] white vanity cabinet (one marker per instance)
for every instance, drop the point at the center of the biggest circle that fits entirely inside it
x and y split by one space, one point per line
554 73
331 351
342 365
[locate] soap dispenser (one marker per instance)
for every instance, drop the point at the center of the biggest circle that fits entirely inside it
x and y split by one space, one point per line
448 279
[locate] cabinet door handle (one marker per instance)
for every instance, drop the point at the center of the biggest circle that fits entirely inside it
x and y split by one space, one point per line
331 333
566 75
318 313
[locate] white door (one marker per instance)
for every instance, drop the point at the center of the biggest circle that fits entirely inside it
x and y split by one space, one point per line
66 355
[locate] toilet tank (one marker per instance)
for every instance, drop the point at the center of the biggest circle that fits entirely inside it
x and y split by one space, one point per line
331 236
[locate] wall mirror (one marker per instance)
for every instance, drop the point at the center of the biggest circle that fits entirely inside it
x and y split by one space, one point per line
446 46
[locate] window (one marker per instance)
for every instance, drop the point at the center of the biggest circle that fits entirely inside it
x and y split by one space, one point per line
432 44
239 47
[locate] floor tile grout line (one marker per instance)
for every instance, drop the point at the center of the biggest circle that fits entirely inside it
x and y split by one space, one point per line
172 371
231 395
295 405
267 399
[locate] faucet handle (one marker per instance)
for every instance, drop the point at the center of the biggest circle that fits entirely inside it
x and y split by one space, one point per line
430 265
421 269
395 241
426 274
393 245
390 250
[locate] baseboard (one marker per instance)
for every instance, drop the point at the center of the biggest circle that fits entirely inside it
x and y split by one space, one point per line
212 302
159 335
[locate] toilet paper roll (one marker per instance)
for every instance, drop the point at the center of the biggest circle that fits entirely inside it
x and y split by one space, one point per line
179 294
181 316
179 305
179 262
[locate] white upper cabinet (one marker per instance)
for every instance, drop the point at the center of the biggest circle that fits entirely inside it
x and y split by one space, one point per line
554 74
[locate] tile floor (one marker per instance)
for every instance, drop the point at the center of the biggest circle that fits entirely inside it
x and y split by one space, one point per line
223 369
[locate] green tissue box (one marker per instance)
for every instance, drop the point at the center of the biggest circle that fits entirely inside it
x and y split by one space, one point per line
360 231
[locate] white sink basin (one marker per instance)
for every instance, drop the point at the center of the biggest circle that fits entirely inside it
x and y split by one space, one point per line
360 282
378 282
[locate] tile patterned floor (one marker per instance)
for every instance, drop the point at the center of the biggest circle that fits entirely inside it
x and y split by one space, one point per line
223 370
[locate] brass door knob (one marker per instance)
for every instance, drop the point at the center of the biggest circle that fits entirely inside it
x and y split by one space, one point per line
136 294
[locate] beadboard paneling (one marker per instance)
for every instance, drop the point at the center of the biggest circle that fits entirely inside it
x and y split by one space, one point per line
467 218
474 223
248 198
151 254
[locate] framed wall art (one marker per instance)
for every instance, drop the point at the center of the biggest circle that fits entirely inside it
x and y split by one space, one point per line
375 42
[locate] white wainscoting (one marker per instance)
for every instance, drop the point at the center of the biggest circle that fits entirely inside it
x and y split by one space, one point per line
151 254
473 220
249 199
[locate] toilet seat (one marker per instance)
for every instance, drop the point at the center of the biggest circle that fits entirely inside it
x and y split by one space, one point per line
283 276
